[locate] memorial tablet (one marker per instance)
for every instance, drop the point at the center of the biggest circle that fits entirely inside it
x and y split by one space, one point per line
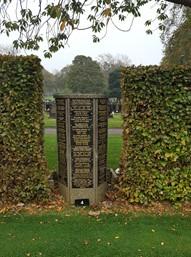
82 146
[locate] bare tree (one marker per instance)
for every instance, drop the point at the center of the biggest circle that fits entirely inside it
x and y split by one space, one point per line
7 49
108 62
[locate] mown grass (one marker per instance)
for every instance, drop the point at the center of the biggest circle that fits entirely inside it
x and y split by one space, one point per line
114 148
115 122
49 122
75 235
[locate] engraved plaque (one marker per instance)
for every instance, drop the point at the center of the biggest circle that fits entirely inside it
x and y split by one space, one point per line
102 140
81 121
61 139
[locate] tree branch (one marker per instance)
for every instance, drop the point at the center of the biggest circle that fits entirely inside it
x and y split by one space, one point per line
181 2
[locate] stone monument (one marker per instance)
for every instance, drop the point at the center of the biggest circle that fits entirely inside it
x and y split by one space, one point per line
82 147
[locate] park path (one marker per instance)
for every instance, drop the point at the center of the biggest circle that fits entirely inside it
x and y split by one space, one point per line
113 131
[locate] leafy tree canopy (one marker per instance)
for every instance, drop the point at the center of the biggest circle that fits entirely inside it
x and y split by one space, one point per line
114 83
58 19
49 83
85 76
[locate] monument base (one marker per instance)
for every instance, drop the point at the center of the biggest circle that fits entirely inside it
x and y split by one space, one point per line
91 194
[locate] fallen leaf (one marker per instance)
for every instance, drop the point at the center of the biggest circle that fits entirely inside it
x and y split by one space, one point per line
20 204
86 242
94 213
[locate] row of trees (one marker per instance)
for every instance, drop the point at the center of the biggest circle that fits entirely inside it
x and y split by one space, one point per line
103 75
85 75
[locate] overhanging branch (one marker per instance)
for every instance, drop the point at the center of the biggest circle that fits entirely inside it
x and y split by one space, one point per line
186 3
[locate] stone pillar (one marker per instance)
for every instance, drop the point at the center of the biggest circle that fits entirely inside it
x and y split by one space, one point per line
82 147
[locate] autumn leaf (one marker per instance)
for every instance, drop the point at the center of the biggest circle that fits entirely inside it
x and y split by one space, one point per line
63 25
107 12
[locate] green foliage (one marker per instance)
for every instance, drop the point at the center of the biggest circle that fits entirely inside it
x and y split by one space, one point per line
85 76
50 86
22 165
61 81
59 19
114 83
156 156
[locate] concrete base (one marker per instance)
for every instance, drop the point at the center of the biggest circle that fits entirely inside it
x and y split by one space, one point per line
93 195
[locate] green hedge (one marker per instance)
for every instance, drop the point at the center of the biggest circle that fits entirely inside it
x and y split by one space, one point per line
23 170
156 156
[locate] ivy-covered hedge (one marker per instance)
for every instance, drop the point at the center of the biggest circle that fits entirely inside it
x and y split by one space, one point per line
156 155
23 170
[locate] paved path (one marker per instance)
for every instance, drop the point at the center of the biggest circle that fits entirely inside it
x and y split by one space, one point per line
114 131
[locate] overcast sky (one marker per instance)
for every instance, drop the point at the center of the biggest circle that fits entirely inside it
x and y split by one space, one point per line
136 44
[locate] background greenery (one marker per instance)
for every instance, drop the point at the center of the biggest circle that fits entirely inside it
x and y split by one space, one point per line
97 76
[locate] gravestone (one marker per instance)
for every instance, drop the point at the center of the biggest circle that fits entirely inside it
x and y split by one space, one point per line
82 147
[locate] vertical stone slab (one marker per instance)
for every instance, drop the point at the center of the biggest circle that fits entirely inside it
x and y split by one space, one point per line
61 140
102 140
82 146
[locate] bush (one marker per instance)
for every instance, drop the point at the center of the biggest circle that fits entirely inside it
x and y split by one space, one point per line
23 170
156 156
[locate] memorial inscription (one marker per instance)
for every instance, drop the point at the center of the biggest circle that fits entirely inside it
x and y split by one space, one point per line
102 140
81 121
61 139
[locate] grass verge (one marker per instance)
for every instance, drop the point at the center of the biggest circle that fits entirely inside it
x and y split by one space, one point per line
62 235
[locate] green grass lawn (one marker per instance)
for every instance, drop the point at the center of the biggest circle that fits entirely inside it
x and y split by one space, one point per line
49 122
114 148
61 235
115 122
